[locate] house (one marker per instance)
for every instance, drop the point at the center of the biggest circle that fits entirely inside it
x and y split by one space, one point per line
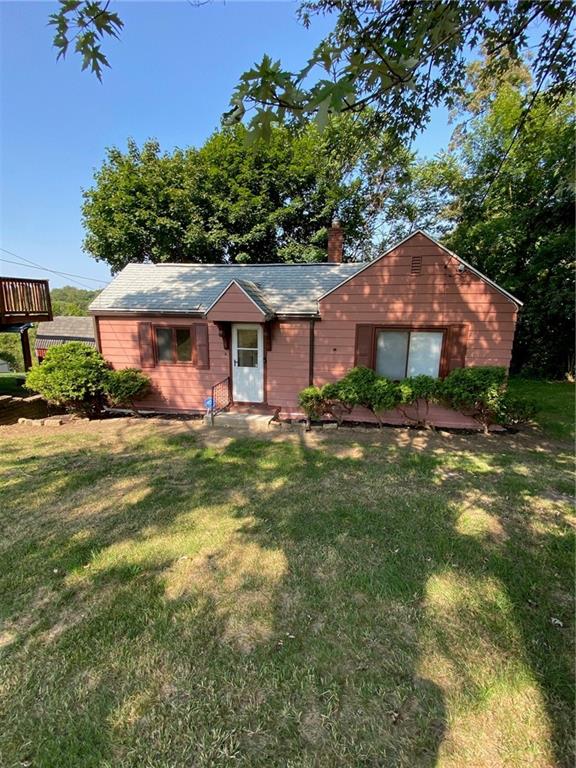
255 335
62 329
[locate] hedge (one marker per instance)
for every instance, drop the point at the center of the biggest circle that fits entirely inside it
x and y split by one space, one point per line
479 392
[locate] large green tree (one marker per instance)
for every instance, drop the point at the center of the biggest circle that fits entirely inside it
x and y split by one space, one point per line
400 57
515 218
236 201
504 200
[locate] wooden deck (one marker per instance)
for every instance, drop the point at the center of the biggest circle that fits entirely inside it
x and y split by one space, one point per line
24 301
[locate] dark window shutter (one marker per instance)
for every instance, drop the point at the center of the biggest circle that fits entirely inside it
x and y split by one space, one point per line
202 358
364 344
146 343
456 342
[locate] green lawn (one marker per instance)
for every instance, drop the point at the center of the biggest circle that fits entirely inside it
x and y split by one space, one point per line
172 596
11 384
556 399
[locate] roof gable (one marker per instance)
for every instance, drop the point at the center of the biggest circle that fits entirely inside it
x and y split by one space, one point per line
239 298
421 233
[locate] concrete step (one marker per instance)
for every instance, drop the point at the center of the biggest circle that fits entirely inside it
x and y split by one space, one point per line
253 422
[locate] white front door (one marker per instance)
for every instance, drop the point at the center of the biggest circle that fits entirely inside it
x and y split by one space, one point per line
247 363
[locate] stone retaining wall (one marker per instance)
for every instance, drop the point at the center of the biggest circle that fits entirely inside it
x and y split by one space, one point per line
14 408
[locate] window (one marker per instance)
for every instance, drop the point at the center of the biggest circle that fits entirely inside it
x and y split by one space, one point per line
247 347
400 353
174 345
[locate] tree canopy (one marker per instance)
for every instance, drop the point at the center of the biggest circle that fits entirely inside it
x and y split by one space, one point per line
402 58
69 300
232 200
506 204
515 220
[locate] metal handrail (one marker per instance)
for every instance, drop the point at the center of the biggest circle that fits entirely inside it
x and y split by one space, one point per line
221 397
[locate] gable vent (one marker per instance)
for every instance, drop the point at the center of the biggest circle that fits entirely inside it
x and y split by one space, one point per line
416 266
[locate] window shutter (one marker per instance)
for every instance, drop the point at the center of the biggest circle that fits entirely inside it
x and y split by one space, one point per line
202 358
456 342
147 359
364 344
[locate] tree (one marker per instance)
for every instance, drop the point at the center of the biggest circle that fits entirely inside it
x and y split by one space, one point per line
401 57
516 219
236 201
69 300
505 201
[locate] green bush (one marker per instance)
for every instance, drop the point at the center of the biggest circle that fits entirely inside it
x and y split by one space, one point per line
419 391
476 390
383 396
360 386
356 387
419 388
312 402
125 386
73 375
512 410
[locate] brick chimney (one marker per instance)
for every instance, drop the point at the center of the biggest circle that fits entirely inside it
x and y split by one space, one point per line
335 243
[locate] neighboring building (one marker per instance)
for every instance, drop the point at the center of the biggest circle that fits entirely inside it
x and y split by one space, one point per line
62 329
267 331
23 302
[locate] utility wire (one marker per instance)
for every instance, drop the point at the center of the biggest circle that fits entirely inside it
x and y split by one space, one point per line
19 263
46 269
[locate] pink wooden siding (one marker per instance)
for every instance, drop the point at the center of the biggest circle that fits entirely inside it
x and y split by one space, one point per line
394 291
236 306
288 364
387 293
181 387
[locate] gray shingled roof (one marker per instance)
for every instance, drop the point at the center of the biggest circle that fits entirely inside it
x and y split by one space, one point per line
70 326
65 328
283 288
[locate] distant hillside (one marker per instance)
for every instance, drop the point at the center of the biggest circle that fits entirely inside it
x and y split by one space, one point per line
71 301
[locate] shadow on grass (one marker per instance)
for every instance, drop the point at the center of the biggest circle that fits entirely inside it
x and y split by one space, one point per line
268 603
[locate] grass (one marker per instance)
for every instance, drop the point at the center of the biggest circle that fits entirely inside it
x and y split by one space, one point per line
556 399
12 384
172 596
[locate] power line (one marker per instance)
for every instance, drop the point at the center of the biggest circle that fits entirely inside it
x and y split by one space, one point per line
47 269
19 264
57 272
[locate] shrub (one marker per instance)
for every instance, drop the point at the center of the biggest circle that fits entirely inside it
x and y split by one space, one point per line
513 410
126 386
362 386
312 402
419 391
383 395
356 387
73 375
476 390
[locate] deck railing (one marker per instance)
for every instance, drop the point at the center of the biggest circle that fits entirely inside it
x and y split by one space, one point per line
23 300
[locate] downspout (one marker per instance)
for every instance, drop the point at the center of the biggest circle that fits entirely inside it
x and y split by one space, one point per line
311 354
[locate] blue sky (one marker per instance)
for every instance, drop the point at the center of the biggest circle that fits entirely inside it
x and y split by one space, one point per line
172 74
